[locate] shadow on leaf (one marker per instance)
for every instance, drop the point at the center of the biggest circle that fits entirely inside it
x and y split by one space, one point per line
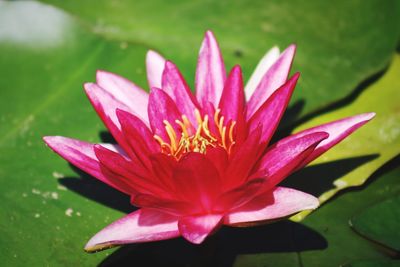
319 178
222 248
95 190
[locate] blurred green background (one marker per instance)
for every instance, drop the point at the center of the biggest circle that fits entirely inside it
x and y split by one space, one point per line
348 63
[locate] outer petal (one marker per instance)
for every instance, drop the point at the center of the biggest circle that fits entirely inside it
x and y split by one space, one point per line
162 108
232 99
272 80
176 87
154 66
210 72
265 63
271 112
81 154
105 106
139 226
281 160
124 91
337 130
279 203
196 228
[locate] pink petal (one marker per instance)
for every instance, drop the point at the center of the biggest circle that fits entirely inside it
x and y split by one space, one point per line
265 63
105 106
130 172
124 91
281 160
136 227
196 228
117 162
163 167
163 108
209 110
232 99
219 158
271 112
197 181
81 154
279 203
239 196
154 66
274 78
164 205
210 72
176 87
243 161
139 136
337 130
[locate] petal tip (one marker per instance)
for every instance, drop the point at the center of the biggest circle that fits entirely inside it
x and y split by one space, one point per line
46 138
99 73
52 140
296 76
209 34
321 135
369 116
275 48
291 48
88 86
168 65
314 203
92 247
151 53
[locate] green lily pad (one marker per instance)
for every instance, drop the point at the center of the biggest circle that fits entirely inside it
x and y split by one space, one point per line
324 238
344 245
380 223
49 209
340 44
372 145
45 58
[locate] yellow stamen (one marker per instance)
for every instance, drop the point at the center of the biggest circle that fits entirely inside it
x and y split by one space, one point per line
198 116
231 131
183 127
171 134
223 137
197 139
216 115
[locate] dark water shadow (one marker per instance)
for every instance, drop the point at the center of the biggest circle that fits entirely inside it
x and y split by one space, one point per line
106 137
91 188
222 248
292 114
319 178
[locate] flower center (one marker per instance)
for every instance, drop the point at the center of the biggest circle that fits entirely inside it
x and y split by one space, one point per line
197 139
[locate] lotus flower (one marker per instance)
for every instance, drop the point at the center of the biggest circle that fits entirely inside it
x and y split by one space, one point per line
193 163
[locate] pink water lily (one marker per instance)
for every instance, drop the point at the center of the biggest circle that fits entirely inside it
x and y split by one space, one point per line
193 163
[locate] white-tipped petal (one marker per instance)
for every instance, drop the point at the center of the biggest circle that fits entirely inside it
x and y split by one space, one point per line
265 63
154 67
